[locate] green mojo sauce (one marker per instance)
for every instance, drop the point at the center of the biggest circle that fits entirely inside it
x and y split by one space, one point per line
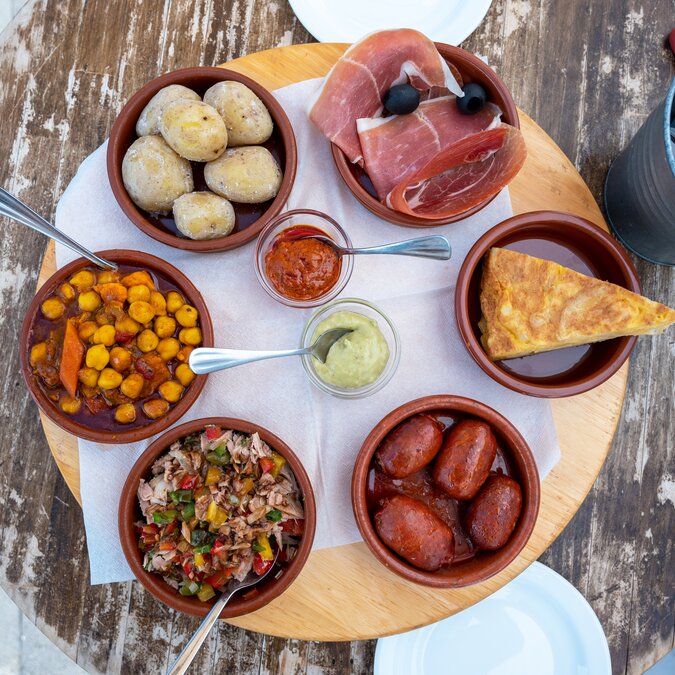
357 358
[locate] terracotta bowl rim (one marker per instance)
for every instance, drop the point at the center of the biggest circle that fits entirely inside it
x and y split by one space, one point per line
554 219
519 453
122 256
509 115
128 513
133 108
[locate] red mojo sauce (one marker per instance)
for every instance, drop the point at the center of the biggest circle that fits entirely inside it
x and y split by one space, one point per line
421 486
302 269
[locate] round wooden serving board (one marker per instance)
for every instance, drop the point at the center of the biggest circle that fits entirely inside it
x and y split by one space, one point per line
343 593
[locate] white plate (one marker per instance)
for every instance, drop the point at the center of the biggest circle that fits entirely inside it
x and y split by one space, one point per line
538 624
449 21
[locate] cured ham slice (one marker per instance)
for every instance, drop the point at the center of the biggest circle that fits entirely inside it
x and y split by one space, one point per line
462 176
355 85
398 146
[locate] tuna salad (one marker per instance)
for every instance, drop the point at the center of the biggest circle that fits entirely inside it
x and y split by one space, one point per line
218 505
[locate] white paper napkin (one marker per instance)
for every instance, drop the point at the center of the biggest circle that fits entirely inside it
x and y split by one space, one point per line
324 431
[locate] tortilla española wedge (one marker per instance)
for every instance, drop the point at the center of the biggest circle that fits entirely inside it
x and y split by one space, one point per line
530 305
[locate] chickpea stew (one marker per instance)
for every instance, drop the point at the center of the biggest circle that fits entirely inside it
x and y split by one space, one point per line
110 348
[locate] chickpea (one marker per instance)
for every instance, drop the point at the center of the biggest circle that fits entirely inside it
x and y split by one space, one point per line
147 341
155 407
187 316
137 278
120 359
138 293
88 376
109 379
184 375
83 280
69 405
53 308
132 385
165 326
174 301
89 301
97 357
171 391
190 336
87 330
67 292
38 354
108 277
168 348
141 311
105 335
102 318
158 303
184 353
125 413
127 325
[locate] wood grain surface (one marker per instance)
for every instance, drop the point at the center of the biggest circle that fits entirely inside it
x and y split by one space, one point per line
587 72
344 593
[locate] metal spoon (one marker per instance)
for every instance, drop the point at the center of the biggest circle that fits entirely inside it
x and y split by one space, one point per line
185 658
14 208
209 359
436 247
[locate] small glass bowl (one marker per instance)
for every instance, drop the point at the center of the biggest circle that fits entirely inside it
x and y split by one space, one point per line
388 330
295 218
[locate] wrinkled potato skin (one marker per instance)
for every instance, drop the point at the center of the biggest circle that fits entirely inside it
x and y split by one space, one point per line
194 130
203 215
247 119
154 175
148 121
248 175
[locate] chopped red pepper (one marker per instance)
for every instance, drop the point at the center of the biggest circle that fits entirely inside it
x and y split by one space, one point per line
122 336
173 525
96 404
188 482
213 432
266 464
294 527
261 566
144 368
167 545
220 578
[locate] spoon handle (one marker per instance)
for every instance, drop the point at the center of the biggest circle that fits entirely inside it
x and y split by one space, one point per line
14 208
210 359
436 247
185 658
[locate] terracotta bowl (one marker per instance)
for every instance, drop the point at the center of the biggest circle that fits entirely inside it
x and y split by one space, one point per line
164 270
568 240
472 69
250 218
522 467
129 513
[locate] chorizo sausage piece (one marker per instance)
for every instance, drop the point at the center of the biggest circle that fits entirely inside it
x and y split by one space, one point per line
410 446
465 459
493 514
411 529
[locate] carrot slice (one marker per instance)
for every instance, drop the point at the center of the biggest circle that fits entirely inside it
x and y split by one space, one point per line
71 358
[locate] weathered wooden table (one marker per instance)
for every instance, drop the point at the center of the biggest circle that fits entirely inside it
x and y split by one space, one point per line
588 73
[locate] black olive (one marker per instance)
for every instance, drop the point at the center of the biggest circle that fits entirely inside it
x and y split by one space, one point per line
474 99
401 99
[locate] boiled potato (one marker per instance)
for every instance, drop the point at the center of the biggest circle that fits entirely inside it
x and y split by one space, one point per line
154 175
248 175
194 130
203 215
247 119
148 122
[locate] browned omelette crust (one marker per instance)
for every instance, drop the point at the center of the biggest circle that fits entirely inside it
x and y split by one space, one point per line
531 305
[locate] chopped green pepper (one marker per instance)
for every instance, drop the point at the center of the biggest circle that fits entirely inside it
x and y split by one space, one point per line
199 537
257 547
191 588
164 517
188 511
217 459
204 548
178 496
274 515
222 451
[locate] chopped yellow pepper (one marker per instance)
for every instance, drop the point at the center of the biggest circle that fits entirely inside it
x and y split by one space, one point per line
264 548
279 462
216 515
199 559
246 485
206 592
213 475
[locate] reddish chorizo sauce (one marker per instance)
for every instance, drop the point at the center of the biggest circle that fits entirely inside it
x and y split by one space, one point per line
302 269
420 485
